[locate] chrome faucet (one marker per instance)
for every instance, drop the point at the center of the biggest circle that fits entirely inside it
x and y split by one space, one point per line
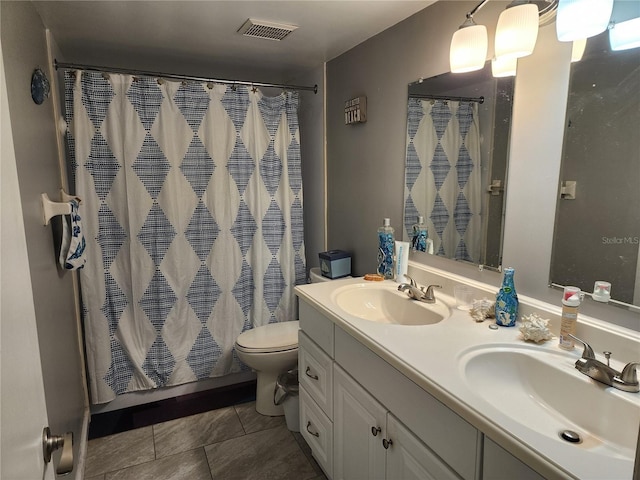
416 292
627 380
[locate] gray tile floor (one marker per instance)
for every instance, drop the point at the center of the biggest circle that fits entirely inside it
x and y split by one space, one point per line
232 443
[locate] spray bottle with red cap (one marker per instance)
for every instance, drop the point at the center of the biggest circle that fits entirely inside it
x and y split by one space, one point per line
571 299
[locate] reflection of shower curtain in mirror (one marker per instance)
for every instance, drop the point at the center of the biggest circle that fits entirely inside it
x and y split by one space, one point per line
442 175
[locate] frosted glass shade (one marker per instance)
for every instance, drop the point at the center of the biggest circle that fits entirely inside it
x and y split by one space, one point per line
504 67
625 35
582 18
517 31
468 49
578 49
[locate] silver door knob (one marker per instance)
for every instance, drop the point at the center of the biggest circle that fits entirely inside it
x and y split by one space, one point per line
51 443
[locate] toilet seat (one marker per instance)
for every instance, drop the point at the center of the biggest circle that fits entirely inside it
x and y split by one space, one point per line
274 337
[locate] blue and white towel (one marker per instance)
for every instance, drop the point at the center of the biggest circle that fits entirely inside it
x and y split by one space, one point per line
72 255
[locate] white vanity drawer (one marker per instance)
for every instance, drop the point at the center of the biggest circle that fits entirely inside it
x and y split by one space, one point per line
317 430
315 371
318 327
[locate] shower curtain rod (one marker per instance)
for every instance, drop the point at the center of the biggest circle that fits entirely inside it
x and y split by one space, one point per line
445 97
142 73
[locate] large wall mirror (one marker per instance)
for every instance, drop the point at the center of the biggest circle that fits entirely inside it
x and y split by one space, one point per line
456 161
597 231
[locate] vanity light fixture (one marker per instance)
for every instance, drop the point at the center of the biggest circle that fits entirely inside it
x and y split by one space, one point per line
517 30
577 51
582 18
469 44
504 67
625 35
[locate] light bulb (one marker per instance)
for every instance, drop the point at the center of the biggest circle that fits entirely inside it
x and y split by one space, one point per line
517 31
468 49
582 18
625 35
504 67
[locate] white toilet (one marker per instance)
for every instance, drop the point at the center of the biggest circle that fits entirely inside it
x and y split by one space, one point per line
271 350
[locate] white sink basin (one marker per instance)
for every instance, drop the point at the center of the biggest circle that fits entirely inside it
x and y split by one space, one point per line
541 390
381 302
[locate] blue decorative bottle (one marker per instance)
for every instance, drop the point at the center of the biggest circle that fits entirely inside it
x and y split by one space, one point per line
386 245
419 240
507 301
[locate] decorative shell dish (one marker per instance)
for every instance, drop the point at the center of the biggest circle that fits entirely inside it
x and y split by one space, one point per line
482 309
535 329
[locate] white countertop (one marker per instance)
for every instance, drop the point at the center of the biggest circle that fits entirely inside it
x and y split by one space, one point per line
433 357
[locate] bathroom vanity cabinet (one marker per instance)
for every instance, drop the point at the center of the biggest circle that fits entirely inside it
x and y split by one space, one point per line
363 418
355 410
383 399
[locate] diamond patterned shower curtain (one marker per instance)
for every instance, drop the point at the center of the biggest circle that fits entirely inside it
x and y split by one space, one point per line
192 210
442 175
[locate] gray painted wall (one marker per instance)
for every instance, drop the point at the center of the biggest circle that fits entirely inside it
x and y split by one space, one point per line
312 146
24 49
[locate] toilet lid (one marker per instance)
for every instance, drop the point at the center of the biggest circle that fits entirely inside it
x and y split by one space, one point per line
270 338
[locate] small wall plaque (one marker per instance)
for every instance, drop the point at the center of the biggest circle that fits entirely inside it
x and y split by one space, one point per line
355 110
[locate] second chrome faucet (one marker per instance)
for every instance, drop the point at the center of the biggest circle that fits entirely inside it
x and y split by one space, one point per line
627 380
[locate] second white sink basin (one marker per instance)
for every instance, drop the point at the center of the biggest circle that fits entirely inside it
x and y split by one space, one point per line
381 302
541 390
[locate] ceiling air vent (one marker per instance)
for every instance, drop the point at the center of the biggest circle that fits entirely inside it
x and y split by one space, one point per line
267 30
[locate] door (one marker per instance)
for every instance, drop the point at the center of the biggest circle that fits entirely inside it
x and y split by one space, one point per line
359 424
23 410
410 459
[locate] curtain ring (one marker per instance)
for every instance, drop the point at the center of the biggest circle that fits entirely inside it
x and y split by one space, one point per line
210 85
160 81
105 76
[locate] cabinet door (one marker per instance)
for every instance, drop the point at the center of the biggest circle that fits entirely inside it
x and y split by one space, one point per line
358 451
410 459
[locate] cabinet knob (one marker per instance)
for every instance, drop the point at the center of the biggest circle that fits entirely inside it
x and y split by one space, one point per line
309 374
375 431
386 443
315 434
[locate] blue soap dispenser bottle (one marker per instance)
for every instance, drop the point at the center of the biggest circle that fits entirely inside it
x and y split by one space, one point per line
420 241
507 301
386 246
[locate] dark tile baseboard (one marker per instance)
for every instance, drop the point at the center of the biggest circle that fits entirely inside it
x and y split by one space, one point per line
108 423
